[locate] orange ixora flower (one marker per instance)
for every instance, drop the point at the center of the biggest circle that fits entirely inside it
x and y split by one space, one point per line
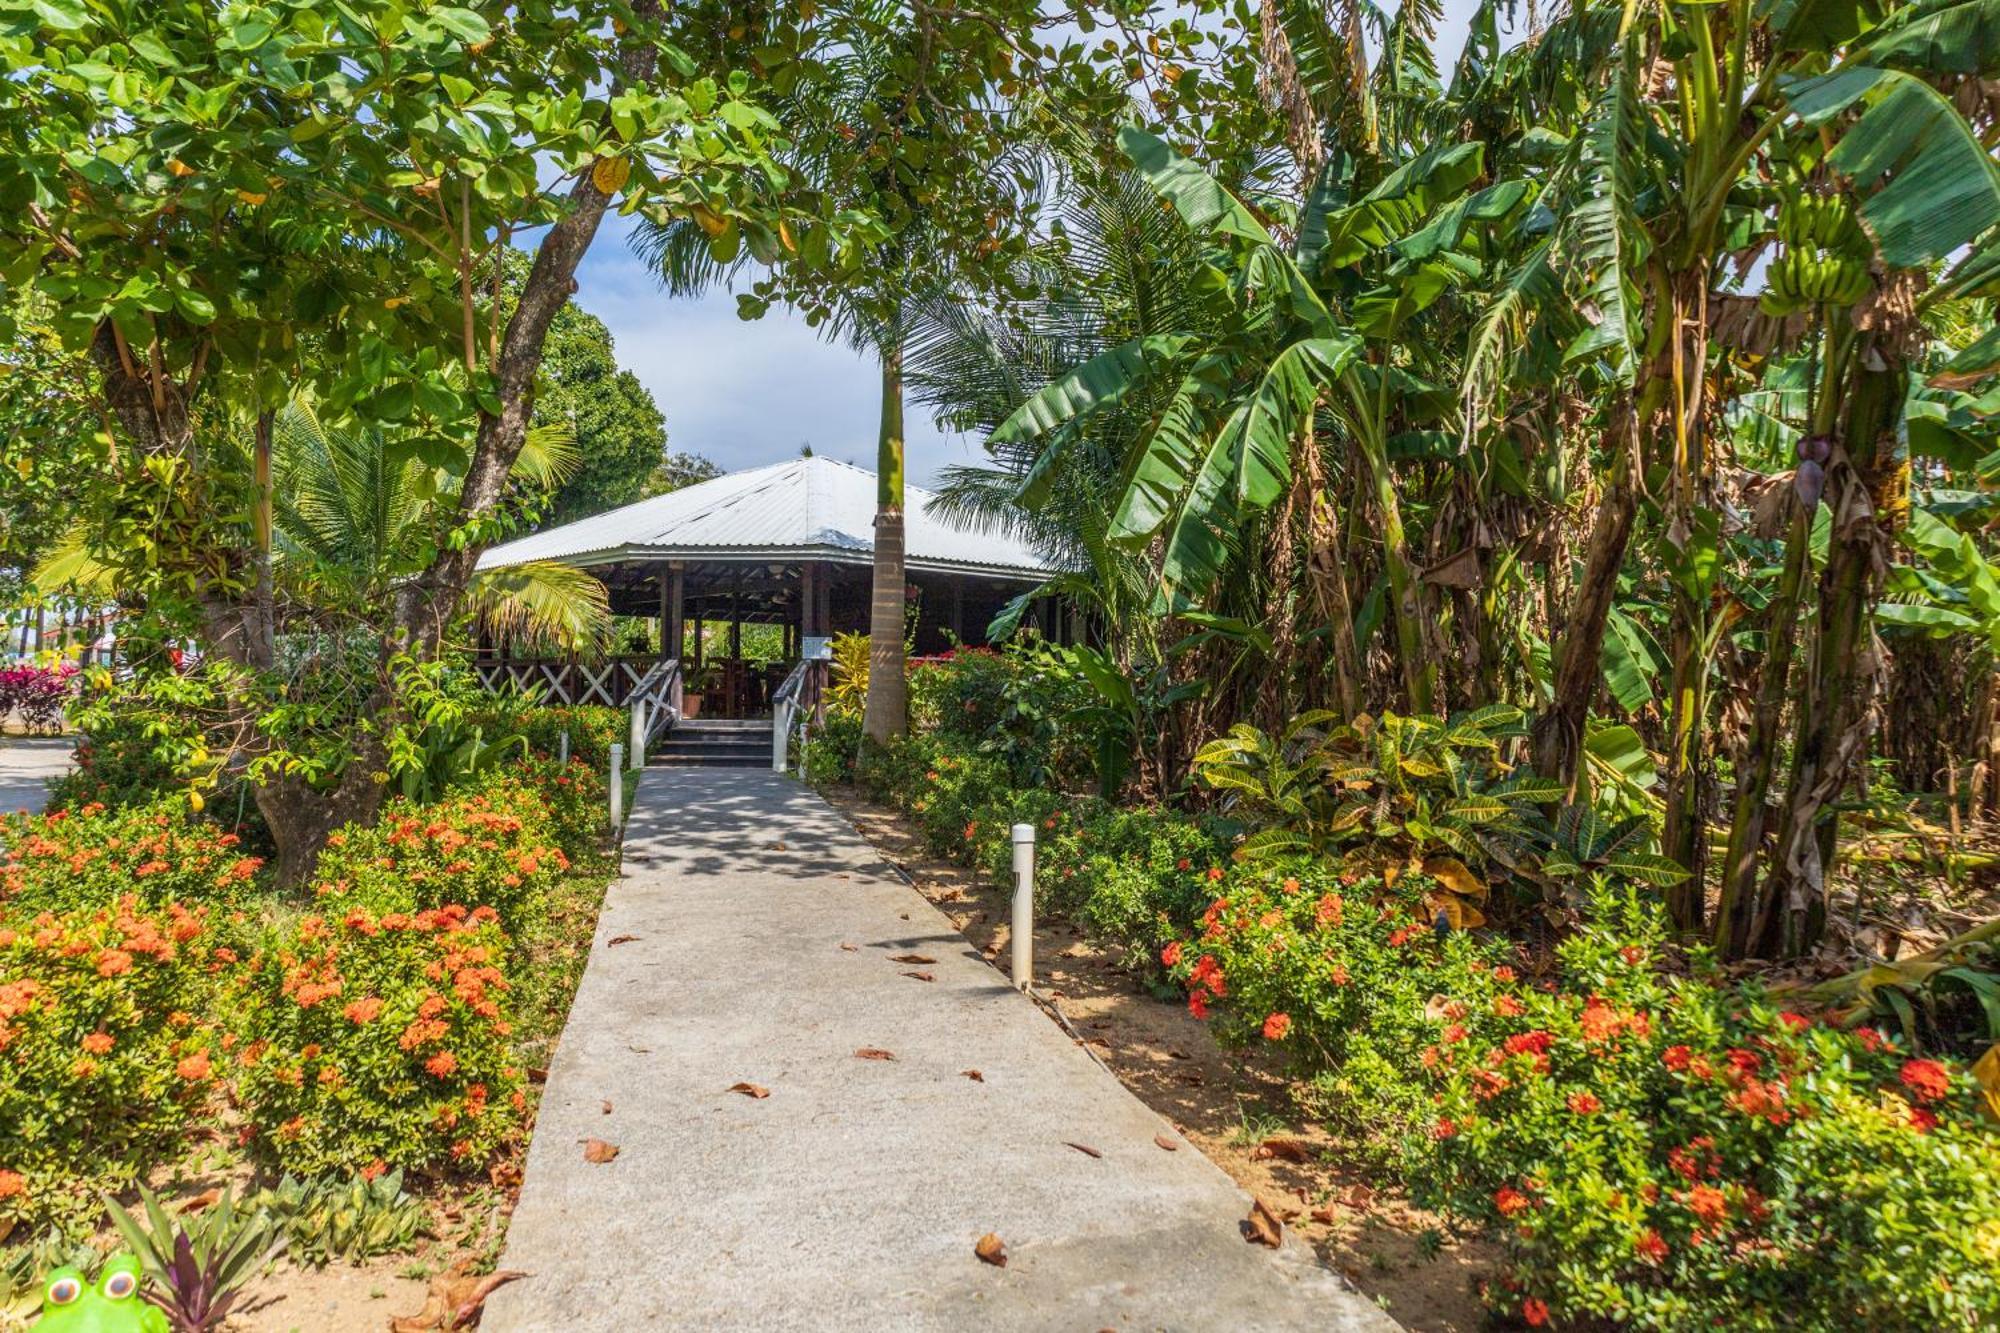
12 1183
1277 1026
1511 1201
113 962
99 1043
1927 1079
193 1068
365 1010
441 1065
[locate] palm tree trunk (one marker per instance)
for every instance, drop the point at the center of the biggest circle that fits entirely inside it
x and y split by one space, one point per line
886 714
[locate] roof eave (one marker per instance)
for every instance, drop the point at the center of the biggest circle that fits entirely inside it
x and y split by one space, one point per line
846 555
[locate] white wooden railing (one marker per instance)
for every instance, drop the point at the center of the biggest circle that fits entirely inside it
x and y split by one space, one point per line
795 706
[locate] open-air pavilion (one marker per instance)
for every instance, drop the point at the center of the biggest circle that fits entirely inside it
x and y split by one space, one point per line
791 545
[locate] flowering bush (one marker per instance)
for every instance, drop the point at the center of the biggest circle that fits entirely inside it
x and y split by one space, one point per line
102 1057
1664 1152
571 798
84 858
592 729
1671 1152
37 693
491 848
373 1038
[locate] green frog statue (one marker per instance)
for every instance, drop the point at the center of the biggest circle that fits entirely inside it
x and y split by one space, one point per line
71 1305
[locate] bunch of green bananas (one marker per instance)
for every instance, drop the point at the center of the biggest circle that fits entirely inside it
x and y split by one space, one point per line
1825 260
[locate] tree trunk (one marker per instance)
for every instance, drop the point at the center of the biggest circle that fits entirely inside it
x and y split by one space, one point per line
1735 906
886 714
1845 672
1557 739
1328 578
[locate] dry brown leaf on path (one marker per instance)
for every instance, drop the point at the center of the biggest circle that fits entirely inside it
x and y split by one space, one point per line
849 948
1162 1141
1083 1148
617 940
750 1090
912 958
1262 1227
1358 1196
208 1198
455 1299
974 1075
539 1075
874 1053
991 1249
1326 1216
607 1106
921 976
597 1152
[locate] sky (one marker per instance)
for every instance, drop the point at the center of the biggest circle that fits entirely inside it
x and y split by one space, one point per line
746 393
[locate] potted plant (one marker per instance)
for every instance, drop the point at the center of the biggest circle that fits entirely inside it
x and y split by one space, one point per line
699 681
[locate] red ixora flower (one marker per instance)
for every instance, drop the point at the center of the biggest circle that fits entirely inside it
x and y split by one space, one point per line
1675 1058
1650 1247
1794 1022
1198 1003
1534 1312
1511 1201
1583 1103
1923 1121
1928 1079
1276 1026
1171 955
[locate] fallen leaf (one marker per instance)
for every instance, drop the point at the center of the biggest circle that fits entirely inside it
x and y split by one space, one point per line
1171 1145
617 940
911 958
208 1198
454 1299
873 1053
597 1152
1262 1227
1083 1148
1290 1150
1180 1055
1358 1196
850 948
505 1174
1325 1215
750 1090
991 1249
974 1075
777 846
607 1108
540 1075
921 976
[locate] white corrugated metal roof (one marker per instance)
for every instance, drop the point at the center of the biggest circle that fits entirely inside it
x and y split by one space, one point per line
814 506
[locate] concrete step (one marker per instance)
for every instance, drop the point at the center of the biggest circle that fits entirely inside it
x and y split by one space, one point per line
727 744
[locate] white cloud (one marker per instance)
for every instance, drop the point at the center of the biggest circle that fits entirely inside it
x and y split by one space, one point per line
746 393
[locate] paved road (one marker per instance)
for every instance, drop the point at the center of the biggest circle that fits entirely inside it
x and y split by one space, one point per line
853 1195
26 765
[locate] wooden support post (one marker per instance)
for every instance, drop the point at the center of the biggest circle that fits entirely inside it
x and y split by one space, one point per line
673 611
957 612
736 621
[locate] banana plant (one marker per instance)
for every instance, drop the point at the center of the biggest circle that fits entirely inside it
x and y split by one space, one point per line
1304 326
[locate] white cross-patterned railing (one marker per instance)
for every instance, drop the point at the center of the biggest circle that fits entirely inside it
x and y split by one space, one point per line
611 682
656 702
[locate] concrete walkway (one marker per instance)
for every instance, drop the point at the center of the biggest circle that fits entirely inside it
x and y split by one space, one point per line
26 765
754 938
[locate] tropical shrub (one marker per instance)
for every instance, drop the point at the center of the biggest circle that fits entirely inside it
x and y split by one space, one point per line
66 860
103 1056
593 729
572 799
492 848
379 1037
1671 1151
37 693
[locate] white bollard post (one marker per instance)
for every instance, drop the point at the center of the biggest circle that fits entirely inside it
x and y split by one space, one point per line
617 787
1024 906
638 750
562 748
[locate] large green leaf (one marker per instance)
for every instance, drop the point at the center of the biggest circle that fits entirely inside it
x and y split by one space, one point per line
1405 197
1931 186
1628 662
1161 467
1938 37
1100 382
1202 203
1602 241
